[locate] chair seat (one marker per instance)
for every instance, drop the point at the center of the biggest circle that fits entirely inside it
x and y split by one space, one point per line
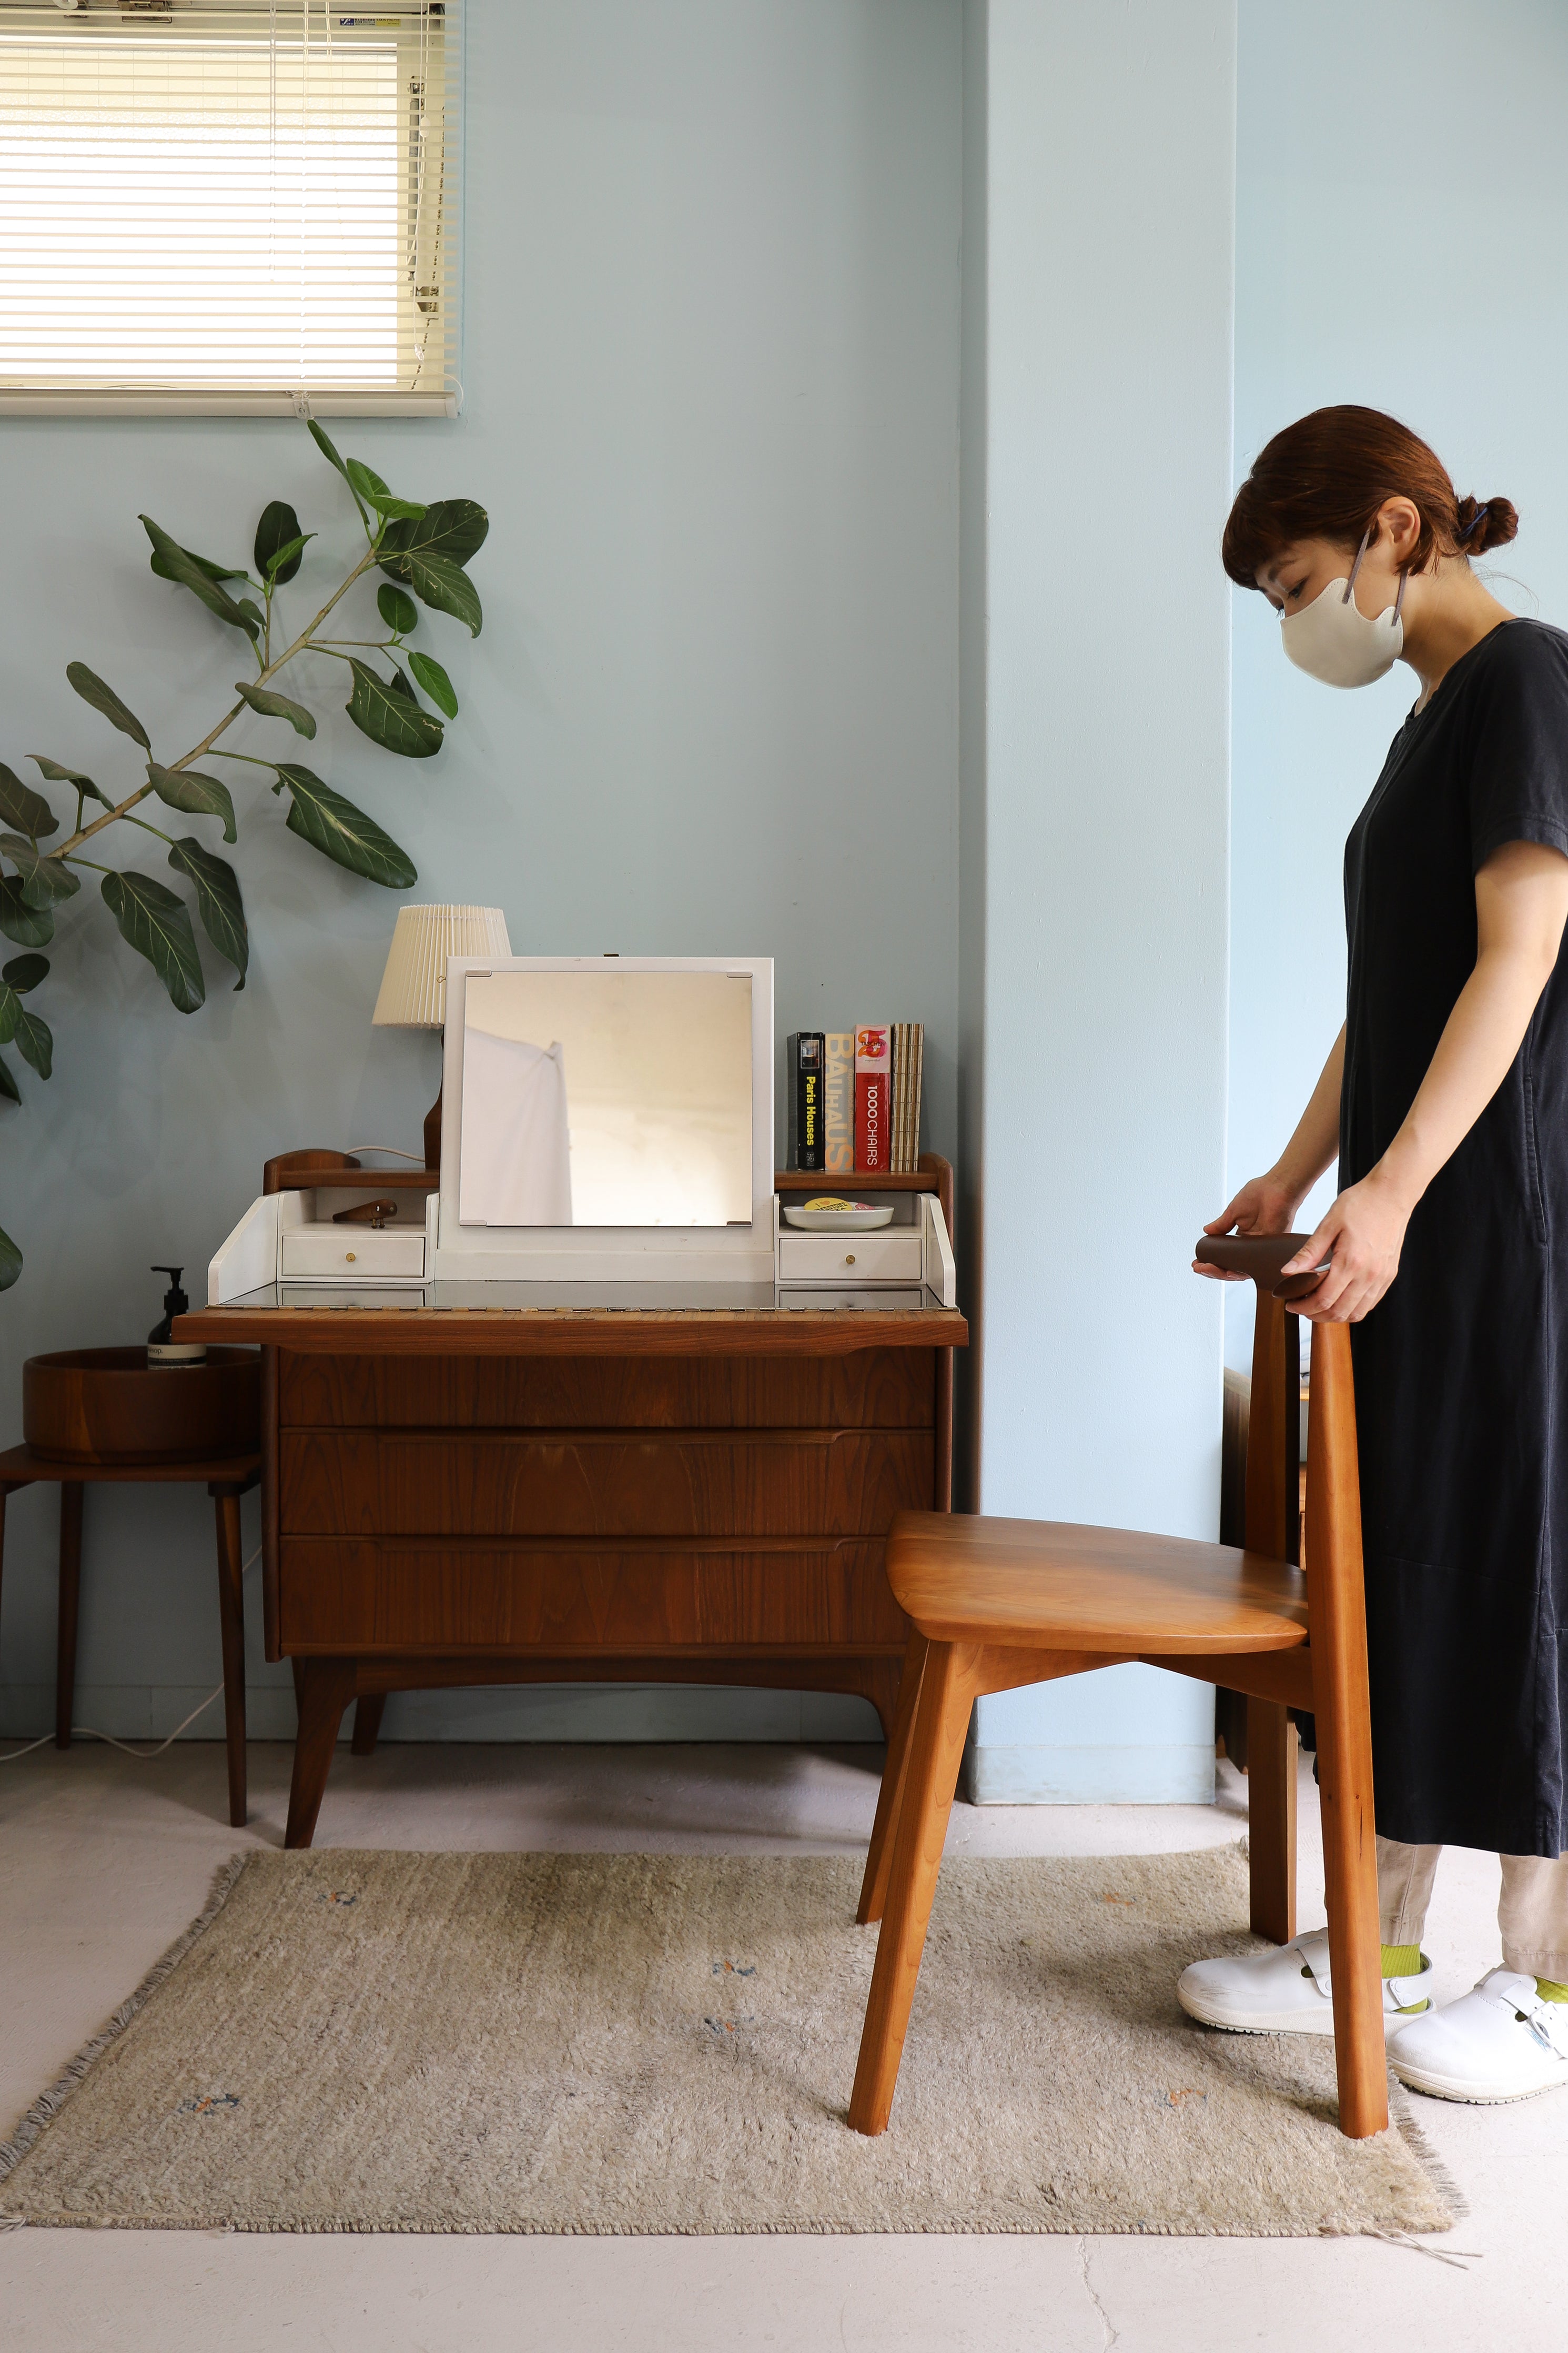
1049 1585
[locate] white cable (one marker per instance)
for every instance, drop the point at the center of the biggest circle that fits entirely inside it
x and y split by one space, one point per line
417 1157
143 1755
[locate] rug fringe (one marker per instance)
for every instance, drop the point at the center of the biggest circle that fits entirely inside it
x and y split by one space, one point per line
1413 2133
49 2104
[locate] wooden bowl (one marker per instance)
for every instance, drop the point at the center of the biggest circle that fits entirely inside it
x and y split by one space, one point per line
105 1405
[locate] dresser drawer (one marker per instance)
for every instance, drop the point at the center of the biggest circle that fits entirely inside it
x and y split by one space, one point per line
849 1258
872 1388
404 1595
602 1482
358 1253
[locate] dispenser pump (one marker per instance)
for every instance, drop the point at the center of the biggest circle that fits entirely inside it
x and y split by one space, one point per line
163 1351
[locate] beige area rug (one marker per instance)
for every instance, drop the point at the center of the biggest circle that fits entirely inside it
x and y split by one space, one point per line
645 2043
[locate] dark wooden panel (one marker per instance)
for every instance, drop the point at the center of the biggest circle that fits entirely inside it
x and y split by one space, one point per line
888 1389
696 1483
403 1594
607 1331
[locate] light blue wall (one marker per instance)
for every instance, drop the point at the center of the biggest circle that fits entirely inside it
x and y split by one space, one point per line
1101 755
1402 224
712 379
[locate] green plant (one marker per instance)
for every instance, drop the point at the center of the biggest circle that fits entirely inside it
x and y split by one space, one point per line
423 548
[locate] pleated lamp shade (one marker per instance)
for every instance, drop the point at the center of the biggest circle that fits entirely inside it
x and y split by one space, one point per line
414 986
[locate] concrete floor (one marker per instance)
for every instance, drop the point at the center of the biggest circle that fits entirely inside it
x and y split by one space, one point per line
104 1860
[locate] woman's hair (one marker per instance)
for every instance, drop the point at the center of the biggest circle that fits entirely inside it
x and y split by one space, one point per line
1326 476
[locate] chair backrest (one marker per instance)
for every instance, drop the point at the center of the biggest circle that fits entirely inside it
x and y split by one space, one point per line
1273 1516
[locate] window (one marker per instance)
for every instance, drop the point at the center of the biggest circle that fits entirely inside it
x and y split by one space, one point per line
228 206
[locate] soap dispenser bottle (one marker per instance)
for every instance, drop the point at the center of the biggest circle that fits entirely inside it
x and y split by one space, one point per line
161 1350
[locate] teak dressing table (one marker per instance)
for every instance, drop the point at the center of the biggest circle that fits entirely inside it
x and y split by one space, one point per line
509 1483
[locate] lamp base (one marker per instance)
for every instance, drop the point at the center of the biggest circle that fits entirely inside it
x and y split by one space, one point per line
433 1133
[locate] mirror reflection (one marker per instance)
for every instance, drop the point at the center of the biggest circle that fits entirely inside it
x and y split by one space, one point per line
607 1099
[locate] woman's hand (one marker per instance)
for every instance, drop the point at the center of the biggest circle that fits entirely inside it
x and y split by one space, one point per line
1361 1236
1265 1205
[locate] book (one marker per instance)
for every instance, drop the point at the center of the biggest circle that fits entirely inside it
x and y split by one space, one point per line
873 1097
909 1053
802 1085
838 1102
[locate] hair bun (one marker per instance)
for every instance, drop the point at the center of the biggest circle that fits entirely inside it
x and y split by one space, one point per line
1486 523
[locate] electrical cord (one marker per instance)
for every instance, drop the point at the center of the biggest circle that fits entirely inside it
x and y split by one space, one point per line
417 1157
143 1755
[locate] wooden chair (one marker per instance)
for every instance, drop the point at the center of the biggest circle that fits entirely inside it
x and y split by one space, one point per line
998 1603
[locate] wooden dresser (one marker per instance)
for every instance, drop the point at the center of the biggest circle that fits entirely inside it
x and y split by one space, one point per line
591 1492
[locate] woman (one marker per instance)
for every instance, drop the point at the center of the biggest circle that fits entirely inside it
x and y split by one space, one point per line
1445 1100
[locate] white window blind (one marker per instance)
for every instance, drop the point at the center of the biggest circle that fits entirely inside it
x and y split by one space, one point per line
228 206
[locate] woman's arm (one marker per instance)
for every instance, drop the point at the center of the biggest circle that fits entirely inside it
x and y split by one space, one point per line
1521 905
1267 1204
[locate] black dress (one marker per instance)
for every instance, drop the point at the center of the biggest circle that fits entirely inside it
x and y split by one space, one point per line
1462 1368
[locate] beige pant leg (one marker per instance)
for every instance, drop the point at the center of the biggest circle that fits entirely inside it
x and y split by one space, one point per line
1404 1877
1533 1916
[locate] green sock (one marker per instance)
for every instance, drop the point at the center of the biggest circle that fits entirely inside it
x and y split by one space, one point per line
1549 1990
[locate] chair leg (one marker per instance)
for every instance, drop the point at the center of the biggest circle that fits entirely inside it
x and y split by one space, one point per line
231 1625
326 1687
936 1750
1350 1871
368 1710
878 1858
71 1494
1271 1754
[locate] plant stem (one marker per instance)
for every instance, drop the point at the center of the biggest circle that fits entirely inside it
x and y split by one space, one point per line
148 828
85 833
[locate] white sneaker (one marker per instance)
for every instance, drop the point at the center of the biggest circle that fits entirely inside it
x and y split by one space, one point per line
1499 2042
1287 1991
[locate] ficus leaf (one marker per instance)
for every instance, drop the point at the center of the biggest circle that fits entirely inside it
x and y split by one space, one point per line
436 581
29 926
273 705
20 806
455 528
44 879
93 690
391 718
324 445
203 563
35 1041
10 1256
157 924
10 1012
434 681
373 491
59 776
9 1088
178 565
218 902
343 833
396 608
279 542
24 972
400 685
198 796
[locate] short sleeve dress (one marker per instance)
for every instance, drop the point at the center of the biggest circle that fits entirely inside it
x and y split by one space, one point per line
1462 1367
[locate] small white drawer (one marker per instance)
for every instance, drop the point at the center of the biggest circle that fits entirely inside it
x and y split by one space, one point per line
351 1254
849 1258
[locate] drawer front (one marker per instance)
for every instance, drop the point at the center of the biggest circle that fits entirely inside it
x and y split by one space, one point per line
404 1595
849 1258
358 1251
602 1484
882 1389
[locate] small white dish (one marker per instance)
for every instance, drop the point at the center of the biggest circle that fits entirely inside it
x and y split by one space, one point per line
855 1218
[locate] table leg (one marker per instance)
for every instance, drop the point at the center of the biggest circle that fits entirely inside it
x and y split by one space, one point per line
325 1687
231 1623
71 1494
367 1724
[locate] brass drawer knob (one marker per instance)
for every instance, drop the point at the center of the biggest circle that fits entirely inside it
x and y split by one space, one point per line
849 1260
351 1256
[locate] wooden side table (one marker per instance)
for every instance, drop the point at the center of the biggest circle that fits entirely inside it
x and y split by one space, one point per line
99 1417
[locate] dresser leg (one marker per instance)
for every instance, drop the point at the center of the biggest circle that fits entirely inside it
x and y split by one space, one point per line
231 1623
326 1687
71 1493
367 1724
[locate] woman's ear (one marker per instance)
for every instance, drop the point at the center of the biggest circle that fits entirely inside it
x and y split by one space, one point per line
1398 529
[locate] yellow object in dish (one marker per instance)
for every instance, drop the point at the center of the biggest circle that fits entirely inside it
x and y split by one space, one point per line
831 1201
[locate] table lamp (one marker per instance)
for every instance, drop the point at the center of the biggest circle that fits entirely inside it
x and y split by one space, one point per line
414 986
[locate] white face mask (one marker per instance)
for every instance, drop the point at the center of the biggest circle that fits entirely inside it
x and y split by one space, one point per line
1333 639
